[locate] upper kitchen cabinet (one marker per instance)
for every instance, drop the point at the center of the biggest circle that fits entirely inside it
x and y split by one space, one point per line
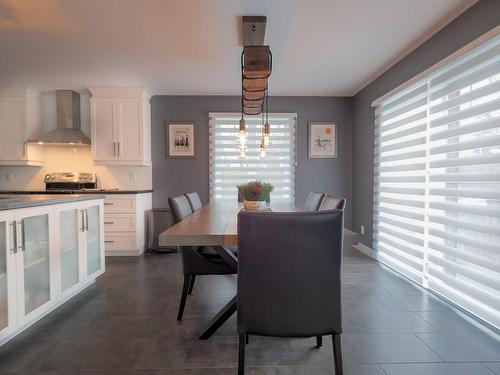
19 119
121 126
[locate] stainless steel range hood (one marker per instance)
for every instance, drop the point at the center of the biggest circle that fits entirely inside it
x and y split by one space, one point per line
68 131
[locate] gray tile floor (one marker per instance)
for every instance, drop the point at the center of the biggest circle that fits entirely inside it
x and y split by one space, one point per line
125 324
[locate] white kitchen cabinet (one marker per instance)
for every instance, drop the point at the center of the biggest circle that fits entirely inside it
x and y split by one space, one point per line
125 223
121 127
8 297
47 254
94 254
69 248
19 119
34 265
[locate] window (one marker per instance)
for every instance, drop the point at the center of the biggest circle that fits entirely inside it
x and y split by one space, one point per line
437 180
227 169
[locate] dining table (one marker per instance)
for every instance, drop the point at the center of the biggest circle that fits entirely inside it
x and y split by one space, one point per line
216 225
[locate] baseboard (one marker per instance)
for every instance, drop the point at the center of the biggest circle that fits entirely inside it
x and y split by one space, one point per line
366 250
124 253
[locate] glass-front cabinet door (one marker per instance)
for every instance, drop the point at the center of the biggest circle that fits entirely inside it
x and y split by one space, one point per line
7 274
69 248
94 240
33 263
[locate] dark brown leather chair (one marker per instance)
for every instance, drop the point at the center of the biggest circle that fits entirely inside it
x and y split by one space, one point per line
194 201
195 260
305 297
313 201
332 203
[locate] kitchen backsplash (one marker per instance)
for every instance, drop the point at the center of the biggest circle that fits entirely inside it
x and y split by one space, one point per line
78 159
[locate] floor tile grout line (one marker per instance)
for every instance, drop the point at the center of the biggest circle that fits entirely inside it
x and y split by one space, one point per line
418 338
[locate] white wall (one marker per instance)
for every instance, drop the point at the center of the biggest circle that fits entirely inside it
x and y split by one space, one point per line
68 159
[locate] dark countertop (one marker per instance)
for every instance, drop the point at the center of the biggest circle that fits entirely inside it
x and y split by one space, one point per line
63 191
11 202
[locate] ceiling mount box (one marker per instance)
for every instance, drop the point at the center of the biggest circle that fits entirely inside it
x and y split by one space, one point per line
121 126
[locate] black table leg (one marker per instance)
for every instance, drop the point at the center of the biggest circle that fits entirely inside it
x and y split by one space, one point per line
230 308
221 317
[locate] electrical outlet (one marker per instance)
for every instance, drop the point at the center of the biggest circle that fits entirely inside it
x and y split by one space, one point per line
10 177
133 176
362 230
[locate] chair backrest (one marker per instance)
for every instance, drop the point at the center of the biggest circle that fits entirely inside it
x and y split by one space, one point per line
194 201
313 201
332 203
180 207
289 273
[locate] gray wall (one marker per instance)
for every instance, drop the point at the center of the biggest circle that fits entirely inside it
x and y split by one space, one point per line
476 21
175 176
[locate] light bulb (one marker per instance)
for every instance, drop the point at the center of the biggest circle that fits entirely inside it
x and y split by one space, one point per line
266 140
262 153
241 138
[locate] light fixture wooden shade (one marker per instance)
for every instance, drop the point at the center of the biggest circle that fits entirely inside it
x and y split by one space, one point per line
256 66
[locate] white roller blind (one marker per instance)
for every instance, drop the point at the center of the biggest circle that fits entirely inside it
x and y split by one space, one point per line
399 196
227 169
437 180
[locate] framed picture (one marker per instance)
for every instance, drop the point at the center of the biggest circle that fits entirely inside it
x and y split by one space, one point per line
180 140
322 140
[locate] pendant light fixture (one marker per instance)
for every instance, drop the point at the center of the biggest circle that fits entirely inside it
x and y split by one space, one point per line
256 66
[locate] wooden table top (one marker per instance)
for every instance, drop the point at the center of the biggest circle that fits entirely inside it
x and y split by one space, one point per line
216 223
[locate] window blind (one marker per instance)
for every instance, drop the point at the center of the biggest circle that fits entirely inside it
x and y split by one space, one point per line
437 181
227 169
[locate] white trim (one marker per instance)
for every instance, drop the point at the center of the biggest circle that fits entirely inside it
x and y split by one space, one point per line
475 43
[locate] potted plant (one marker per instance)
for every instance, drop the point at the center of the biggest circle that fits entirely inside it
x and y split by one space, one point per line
255 194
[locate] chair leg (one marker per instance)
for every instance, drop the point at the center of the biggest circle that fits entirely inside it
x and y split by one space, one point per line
319 341
337 354
241 354
191 285
185 289
247 338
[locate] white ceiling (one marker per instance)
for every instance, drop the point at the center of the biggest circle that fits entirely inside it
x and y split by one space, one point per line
320 47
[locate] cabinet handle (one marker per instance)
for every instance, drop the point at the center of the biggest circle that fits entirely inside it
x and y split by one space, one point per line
114 148
83 221
108 204
14 237
109 222
119 148
23 236
109 241
86 220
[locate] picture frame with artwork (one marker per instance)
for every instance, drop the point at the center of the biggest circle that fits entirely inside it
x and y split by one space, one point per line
180 140
322 140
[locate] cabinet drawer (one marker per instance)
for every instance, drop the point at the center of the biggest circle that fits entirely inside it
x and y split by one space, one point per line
120 241
119 223
119 203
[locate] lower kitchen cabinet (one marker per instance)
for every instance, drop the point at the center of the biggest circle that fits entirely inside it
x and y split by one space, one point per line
47 255
94 254
8 297
34 265
125 225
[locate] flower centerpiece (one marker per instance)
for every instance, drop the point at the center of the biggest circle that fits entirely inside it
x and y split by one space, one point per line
255 194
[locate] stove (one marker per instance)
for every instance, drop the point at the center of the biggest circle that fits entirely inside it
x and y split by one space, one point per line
70 181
